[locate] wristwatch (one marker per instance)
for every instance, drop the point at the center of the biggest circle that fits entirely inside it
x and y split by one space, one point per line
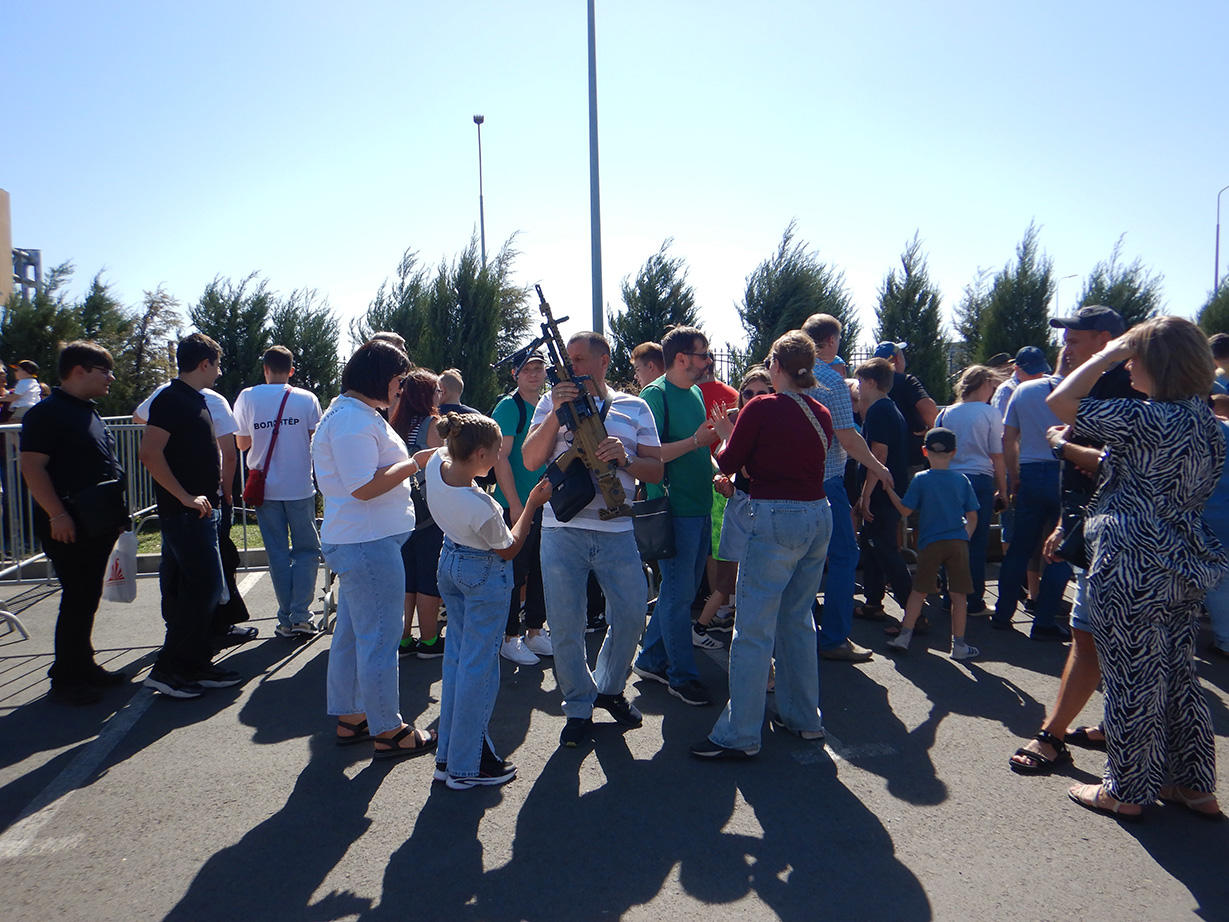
1058 449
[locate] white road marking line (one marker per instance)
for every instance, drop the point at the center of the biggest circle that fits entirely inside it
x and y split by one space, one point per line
249 581
19 838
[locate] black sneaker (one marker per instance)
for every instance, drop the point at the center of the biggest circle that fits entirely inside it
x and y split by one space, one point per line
431 650
692 692
407 648
596 623
575 731
707 749
105 678
217 677
77 694
490 763
489 774
173 686
652 675
620 709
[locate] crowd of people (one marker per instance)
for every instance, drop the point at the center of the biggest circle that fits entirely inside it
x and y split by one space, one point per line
1112 472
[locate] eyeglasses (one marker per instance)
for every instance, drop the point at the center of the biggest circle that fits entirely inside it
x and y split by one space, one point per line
749 393
707 356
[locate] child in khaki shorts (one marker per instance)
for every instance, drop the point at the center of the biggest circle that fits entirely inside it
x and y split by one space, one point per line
947 515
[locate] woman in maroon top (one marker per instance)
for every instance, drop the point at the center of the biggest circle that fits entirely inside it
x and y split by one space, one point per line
781 439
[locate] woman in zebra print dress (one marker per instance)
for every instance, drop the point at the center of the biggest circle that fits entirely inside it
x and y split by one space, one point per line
1152 561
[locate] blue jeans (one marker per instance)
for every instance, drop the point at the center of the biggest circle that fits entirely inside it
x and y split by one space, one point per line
667 641
1217 604
190 578
777 581
569 555
1038 504
288 528
363 656
983 488
474 585
842 562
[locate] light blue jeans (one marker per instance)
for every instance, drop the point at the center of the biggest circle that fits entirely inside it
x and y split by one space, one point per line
568 556
475 586
667 641
288 528
363 656
777 581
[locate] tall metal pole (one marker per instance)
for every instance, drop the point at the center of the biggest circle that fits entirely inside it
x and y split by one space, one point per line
1216 277
1057 306
478 120
595 210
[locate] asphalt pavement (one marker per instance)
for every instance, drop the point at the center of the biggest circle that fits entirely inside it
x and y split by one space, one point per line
239 807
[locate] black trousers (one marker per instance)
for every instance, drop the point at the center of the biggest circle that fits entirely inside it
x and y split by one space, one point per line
527 572
81 568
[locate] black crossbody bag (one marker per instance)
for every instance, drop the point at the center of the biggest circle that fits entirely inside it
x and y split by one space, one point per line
651 518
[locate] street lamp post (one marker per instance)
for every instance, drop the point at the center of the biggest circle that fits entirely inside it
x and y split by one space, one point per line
1216 276
478 120
1057 305
595 211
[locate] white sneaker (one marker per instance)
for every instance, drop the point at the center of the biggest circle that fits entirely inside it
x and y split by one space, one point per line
540 644
964 652
514 649
700 638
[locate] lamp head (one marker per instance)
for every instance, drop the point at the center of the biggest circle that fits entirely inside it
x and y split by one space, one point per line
478 120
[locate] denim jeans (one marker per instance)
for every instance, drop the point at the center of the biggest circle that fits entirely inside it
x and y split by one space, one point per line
1038 504
1217 604
474 585
777 581
842 562
979 541
667 641
191 581
569 555
363 656
288 528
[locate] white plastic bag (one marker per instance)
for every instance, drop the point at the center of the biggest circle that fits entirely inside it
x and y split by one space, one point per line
120 583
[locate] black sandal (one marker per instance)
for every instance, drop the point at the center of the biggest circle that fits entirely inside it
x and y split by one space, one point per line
1079 737
359 733
394 749
1040 764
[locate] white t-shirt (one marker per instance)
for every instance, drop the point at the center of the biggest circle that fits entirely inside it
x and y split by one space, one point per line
979 434
350 444
630 421
467 515
219 410
289 477
28 394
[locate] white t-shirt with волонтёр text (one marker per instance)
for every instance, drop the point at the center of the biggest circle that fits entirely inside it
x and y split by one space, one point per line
289 475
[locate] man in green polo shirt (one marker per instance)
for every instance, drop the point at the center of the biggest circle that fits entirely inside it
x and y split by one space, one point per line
686 434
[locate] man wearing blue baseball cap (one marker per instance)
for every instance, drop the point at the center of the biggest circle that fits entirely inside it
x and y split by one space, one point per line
1030 364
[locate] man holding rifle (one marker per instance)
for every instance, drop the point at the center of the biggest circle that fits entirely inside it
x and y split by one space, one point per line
591 542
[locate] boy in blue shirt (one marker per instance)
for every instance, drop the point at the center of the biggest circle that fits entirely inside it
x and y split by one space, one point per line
940 496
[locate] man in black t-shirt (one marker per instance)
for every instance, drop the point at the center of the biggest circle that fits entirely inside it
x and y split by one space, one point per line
910 397
69 464
885 432
181 453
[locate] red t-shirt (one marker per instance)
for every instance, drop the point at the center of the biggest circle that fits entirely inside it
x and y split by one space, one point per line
783 454
716 392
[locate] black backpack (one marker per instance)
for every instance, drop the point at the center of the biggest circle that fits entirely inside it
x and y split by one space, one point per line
488 480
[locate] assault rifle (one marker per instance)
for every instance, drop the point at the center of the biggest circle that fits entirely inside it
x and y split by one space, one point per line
579 416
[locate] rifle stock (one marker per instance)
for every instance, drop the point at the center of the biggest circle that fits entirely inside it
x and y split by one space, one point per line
581 418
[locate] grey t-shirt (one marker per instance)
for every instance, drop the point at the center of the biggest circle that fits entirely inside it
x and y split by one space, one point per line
1029 413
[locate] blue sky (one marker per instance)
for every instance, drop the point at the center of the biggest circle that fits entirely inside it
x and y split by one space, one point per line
314 143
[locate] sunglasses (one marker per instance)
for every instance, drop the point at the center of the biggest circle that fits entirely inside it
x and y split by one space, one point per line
749 393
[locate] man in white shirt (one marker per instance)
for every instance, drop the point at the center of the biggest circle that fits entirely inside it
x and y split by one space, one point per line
587 543
287 517
26 392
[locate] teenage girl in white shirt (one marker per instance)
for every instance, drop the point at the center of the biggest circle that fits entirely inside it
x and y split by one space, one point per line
475 579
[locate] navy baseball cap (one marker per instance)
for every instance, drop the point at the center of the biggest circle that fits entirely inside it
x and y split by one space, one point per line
888 350
940 439
1032 361
531 357
1095 317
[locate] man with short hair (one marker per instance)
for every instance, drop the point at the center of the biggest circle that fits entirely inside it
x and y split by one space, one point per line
832 391
287 517
452 386
1029 364
685 433
910 397
1219 342
181 452
69 464
588 544
514 482
648 363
